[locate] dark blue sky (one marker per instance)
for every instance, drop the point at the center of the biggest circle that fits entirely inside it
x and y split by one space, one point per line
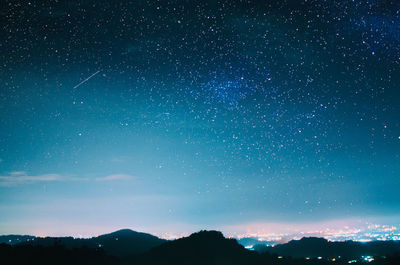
179 115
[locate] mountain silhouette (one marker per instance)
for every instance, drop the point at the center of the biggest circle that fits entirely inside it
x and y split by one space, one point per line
120 243
204 247
127 247
15 239
127 242
60 255
319 247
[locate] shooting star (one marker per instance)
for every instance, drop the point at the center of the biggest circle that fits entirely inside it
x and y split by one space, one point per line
87 79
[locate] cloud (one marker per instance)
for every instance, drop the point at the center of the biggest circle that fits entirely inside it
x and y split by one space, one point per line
21 177
17 173
115 177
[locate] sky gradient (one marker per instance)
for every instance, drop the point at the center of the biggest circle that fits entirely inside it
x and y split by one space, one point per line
172 116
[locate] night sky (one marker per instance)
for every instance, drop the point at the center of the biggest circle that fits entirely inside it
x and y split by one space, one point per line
174 116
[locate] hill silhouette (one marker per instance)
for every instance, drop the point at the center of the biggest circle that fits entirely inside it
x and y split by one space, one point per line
319 247
15 239
127 247
40 255
127 242
204 247
120 243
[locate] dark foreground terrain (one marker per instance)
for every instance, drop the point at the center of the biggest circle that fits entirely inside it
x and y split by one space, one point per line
206 247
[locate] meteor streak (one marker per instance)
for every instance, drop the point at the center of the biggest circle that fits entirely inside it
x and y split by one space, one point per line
87 79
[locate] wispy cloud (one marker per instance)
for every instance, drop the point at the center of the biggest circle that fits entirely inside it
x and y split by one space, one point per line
115 177
21 177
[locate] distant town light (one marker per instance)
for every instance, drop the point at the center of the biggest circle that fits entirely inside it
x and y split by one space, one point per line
369 258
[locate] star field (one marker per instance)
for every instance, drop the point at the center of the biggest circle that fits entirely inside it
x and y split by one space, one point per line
197 113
